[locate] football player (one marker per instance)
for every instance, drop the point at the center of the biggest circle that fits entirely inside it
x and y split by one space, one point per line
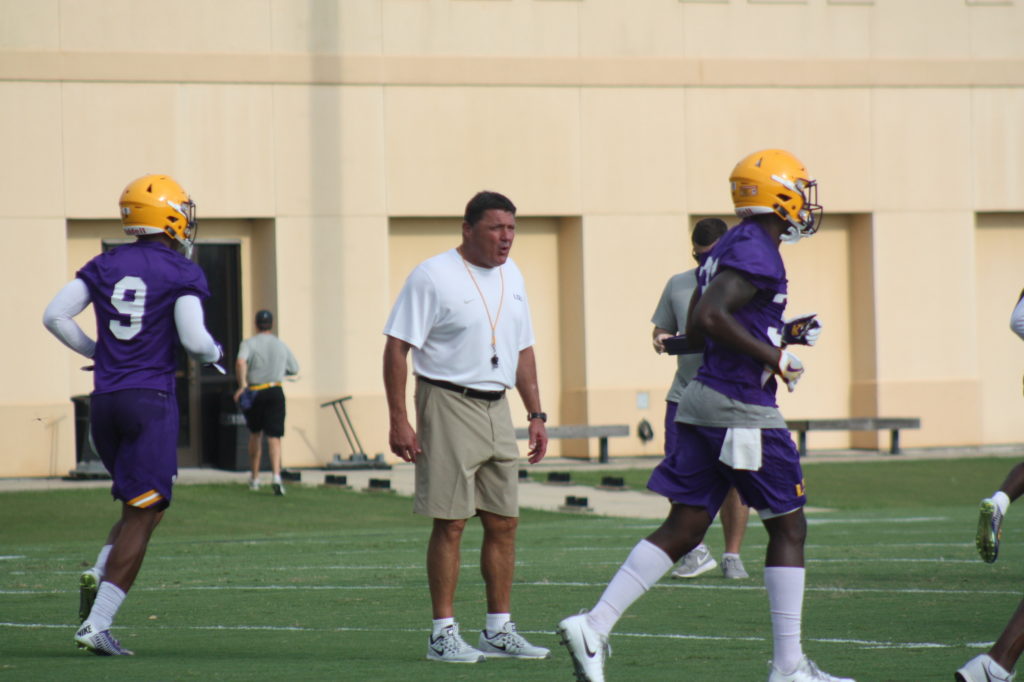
997 664
669 319
146 296
731 432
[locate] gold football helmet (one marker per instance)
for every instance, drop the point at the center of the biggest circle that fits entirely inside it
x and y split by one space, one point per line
774 181
155 204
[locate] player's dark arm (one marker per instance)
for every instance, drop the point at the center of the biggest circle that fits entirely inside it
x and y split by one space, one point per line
712 316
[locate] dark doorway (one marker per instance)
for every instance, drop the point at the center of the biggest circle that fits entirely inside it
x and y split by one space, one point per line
209 396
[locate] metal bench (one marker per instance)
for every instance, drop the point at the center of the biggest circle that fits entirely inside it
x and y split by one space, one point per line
602 433
892 424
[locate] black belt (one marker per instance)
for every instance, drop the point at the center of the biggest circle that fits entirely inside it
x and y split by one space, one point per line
467 392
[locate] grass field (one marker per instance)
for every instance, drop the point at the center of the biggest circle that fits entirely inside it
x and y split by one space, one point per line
329 585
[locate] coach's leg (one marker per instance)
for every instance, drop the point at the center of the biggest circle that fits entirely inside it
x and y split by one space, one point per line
443 562
274 450
497 559
255 450
735 516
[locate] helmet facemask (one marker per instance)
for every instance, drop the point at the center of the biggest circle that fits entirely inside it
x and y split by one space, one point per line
186 234
773 181
804 218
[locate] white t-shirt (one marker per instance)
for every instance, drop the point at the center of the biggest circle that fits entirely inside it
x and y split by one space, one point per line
439 312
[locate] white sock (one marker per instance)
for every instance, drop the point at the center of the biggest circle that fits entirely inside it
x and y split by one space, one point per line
441 623
496 621
108 600
1002 501
785 586
277 478
101 560
644 566
730 554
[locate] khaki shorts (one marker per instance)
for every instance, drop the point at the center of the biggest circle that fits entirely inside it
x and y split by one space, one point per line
470 456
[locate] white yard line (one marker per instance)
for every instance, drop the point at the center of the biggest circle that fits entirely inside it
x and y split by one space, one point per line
866 644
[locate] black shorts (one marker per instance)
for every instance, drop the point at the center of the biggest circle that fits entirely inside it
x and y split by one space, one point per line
267 412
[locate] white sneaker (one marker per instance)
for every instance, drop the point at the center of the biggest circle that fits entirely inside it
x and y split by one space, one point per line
451 648
254 484
979 669
587 648
807 671
697 562
732 568
507 643
100 642
278 487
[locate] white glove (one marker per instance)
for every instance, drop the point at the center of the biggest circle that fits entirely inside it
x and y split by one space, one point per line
803 330
789 368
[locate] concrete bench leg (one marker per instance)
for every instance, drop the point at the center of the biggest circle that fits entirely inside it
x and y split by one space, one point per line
894 441
802 442
602 456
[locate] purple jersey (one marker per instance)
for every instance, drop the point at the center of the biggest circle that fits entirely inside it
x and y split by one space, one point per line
133 289
748 250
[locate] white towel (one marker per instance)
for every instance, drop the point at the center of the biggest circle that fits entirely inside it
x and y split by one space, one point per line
742 449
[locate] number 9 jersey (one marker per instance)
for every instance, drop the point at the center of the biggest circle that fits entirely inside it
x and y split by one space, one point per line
133 289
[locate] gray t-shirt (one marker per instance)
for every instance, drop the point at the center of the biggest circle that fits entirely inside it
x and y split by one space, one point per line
267 358
671 315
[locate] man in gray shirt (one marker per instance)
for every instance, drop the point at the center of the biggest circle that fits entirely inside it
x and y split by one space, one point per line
263 361
669 320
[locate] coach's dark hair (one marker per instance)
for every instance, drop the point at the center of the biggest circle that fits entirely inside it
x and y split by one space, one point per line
707 231
485 201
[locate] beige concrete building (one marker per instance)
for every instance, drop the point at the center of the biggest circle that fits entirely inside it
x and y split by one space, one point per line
332 144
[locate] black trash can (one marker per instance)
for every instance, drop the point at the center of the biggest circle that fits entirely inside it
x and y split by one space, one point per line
87 461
